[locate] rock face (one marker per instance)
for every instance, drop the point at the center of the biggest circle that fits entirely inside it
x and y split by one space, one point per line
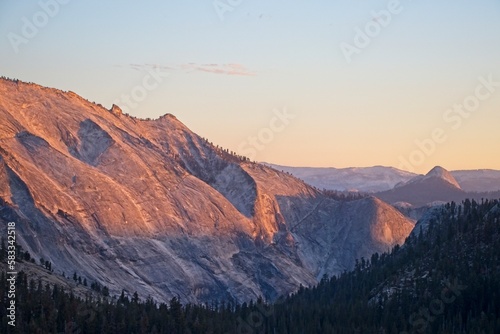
151 207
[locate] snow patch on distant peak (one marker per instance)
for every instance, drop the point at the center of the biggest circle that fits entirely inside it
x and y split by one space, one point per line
402 205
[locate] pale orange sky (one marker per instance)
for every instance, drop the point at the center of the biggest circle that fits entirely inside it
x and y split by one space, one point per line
224 74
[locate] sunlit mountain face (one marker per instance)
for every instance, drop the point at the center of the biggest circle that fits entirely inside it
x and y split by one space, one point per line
149 206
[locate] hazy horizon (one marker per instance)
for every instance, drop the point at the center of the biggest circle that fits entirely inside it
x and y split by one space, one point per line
404 84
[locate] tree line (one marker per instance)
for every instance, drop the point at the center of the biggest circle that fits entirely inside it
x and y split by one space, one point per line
444 279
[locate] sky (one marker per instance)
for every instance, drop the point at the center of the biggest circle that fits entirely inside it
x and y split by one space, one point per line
347 83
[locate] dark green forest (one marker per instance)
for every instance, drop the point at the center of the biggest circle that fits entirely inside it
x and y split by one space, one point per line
445 279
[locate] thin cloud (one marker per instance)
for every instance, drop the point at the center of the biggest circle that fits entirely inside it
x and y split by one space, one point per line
224 69
227 69
143 67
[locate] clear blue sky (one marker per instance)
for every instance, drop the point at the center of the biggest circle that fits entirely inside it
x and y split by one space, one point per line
227 77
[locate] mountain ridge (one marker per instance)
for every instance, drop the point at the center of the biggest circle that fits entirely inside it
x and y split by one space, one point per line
363 179
381 178
149 206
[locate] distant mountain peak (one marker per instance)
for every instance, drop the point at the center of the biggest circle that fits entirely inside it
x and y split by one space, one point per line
437 171
437 186
442 173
